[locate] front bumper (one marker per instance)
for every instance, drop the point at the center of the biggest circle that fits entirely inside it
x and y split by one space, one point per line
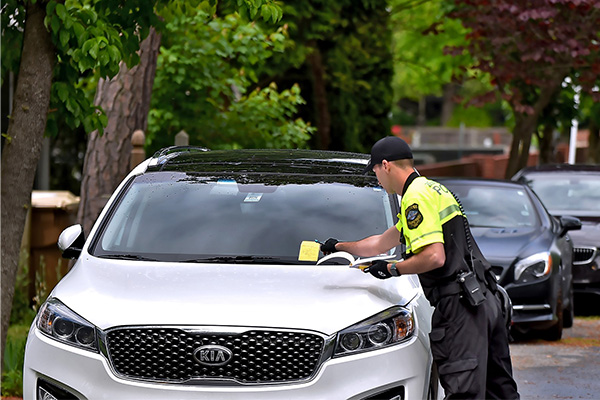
586 275
87 375
534 305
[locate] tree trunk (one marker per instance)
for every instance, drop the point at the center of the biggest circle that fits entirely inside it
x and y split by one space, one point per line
519 151
448 104
546 143
126 101
525 126
22 148
320 93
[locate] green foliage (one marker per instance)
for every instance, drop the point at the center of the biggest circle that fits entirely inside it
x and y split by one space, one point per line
21 312
12 19
421 33
353 39
14 354
91 39
474 116
205 69
265 119
360 70
21 317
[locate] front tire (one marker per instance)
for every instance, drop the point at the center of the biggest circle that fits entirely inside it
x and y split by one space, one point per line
554 333
569 311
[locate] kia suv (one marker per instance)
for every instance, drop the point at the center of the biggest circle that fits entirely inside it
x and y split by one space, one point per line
200 280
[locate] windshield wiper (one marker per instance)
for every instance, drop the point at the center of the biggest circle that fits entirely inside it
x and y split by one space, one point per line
127 257
238 260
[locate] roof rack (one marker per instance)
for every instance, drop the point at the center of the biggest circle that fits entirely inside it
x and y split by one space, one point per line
162 156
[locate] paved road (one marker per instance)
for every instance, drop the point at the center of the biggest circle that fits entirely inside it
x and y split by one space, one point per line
567 369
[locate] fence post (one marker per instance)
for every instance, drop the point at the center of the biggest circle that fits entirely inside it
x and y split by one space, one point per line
182 139
137 152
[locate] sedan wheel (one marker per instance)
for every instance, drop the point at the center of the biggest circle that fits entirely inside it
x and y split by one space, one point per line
569 311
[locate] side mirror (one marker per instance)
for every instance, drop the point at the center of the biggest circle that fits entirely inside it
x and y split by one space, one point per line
569 224
71 241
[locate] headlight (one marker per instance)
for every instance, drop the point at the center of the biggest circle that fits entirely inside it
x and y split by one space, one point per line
59 322
533 267
384 329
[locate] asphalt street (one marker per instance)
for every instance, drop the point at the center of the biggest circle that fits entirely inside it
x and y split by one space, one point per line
567 369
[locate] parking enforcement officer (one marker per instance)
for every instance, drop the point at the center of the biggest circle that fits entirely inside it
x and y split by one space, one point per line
469 339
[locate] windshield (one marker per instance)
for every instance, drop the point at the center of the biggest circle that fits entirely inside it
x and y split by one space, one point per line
496 207
180 217
567 194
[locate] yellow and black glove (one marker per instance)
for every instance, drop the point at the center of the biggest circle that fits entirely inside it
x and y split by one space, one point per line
379 269
329 246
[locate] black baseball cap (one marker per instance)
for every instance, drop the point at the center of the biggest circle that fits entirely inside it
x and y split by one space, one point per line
389 148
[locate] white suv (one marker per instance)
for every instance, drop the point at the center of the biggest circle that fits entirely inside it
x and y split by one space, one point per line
196 282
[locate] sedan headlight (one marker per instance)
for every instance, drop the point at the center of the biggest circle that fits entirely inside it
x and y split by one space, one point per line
533 267
61 323
384 329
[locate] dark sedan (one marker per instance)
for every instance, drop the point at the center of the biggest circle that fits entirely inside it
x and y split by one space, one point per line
573 190
530 251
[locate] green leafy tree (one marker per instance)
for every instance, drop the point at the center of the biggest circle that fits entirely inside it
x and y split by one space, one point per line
126 97
530 48
61 42
207 68
360 71
421 67
340 57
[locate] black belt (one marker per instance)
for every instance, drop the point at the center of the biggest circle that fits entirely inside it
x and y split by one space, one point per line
448 289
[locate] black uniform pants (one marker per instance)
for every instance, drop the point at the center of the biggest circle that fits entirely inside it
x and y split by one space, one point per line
470 347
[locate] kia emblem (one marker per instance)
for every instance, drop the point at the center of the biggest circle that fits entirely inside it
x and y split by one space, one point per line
213 355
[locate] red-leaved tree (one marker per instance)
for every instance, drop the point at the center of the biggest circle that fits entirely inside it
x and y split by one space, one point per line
530 47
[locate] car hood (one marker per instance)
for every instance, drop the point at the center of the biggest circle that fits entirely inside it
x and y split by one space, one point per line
588 235
505 244
325 298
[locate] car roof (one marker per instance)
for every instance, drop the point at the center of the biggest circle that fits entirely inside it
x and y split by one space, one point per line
480 181
567 168
298 161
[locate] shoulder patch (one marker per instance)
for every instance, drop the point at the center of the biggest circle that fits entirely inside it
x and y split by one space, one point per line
413 216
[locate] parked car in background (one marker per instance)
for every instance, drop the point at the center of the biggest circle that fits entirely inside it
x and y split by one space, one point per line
573 190
199 280
530 251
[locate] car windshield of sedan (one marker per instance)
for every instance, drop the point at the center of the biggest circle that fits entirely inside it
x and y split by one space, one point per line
496 207
173 216
563 194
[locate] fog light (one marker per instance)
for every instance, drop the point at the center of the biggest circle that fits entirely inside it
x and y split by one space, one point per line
351 341
49 391
43 394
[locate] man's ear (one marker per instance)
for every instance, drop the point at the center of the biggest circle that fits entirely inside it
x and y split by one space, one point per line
386 165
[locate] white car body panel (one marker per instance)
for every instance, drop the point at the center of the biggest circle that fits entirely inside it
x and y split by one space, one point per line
324 298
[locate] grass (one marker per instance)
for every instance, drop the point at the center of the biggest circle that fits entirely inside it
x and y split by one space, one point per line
12 377
22 314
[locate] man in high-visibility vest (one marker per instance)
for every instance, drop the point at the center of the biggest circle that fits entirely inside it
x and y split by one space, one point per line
469 338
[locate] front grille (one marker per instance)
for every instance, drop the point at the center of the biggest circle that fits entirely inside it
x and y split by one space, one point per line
257 356
583 255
